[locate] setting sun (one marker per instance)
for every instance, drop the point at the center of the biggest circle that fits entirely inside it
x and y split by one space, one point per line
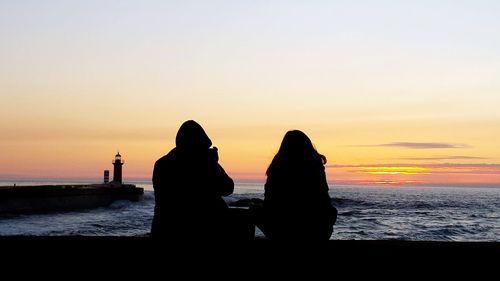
404 170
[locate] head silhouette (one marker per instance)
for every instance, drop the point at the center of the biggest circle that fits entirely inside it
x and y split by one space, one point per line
296 149
192 136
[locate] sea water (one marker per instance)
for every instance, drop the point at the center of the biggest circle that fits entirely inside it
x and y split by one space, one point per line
365 213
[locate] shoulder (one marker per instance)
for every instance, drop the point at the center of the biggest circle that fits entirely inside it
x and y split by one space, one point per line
165 159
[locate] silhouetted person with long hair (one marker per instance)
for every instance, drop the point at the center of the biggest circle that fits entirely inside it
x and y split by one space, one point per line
189 184
296 201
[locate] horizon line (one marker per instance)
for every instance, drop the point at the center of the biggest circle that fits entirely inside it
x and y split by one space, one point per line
263 180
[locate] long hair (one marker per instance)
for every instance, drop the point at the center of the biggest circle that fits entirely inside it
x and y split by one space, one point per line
295 149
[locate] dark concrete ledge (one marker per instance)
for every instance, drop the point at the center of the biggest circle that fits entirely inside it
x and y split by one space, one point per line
140 256
145 241
75 246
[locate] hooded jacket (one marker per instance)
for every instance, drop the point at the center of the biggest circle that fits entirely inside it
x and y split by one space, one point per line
189 184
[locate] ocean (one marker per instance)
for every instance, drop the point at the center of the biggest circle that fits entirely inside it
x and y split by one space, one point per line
365 213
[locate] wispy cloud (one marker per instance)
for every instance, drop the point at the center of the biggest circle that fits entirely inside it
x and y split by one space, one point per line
418 145
442 158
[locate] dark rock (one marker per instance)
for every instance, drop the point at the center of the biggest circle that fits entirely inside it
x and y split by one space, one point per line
247 202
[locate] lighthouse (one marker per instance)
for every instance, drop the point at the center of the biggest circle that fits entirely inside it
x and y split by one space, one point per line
117 172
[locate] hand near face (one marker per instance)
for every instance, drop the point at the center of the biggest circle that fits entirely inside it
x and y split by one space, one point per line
214 153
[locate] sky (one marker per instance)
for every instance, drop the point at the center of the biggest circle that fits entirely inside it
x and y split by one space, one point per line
391 92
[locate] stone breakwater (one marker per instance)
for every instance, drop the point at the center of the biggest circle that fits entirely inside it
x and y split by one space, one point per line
56 198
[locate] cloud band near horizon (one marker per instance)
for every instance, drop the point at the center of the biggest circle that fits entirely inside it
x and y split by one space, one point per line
418 145
425 174
441 158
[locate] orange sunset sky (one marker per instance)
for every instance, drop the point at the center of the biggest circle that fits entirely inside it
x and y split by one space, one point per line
392 92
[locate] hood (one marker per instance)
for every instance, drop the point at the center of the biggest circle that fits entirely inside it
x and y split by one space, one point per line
192 136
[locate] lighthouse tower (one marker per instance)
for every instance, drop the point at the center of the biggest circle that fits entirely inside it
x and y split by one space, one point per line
117 173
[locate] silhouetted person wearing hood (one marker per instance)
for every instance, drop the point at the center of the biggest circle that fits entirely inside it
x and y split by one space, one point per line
189 184
296 201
